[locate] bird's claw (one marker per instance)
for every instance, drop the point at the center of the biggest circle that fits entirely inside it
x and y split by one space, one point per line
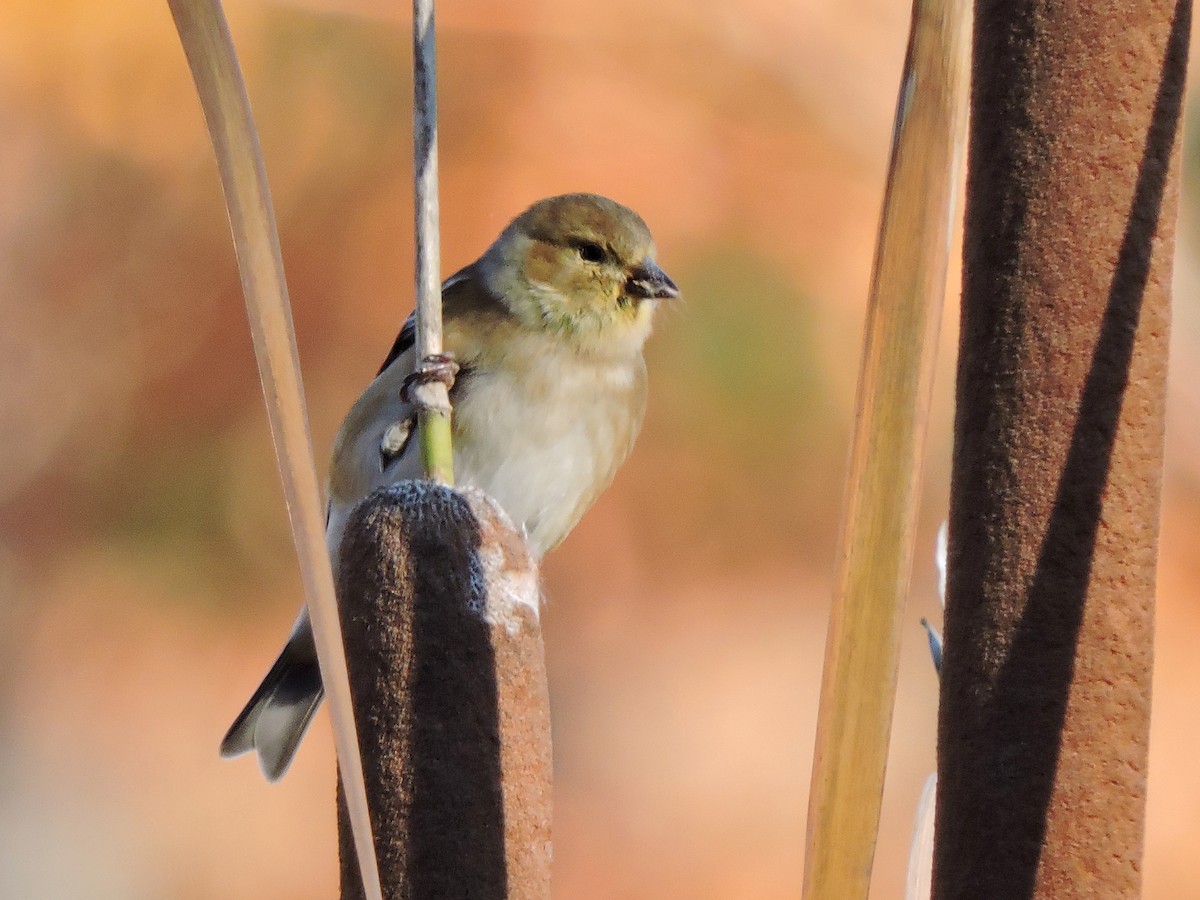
437 368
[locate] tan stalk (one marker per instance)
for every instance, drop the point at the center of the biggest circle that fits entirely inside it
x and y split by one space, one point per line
895 379
204 34
433 421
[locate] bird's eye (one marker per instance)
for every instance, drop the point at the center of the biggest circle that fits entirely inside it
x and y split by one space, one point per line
591 252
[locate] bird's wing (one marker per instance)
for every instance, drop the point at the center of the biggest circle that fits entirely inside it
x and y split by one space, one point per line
459 285
404 342
373 446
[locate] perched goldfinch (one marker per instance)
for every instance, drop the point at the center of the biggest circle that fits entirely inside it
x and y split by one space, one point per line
547 328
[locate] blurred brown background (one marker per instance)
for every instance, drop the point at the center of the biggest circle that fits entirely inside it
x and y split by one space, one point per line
146 572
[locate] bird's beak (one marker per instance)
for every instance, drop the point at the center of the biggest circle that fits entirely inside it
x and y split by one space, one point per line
648 282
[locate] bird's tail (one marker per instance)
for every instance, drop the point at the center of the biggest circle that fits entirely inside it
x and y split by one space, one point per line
276 717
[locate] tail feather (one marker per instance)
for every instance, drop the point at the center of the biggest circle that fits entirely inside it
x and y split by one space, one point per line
275 718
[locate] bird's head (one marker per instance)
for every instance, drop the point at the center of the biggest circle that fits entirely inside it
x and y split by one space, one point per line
582 266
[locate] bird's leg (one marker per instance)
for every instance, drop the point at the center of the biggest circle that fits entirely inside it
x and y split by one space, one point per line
437 368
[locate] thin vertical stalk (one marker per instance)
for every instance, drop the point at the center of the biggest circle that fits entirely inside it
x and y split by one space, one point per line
434 416
895 381
206 41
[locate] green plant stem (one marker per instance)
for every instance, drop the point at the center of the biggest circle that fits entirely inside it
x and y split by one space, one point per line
433 422
436 450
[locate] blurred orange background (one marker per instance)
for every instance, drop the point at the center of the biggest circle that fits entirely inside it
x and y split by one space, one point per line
146 571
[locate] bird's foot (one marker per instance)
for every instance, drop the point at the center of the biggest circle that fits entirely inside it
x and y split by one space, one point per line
437 368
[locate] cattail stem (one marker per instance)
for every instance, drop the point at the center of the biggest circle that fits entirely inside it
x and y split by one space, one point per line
433 421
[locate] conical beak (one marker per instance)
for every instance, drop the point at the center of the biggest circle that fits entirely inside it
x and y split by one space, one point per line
648 282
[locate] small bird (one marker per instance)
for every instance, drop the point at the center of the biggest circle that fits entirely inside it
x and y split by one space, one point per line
547 330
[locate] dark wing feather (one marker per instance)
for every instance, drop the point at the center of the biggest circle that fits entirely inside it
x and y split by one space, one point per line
461 293
404 341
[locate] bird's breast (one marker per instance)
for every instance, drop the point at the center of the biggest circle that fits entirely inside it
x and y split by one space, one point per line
544 434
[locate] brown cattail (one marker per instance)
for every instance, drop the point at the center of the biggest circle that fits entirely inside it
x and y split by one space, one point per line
439 603
1072 196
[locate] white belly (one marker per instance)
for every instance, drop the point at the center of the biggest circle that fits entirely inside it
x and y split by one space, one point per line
545 461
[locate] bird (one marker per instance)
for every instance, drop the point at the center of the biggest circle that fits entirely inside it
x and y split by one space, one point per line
547 330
